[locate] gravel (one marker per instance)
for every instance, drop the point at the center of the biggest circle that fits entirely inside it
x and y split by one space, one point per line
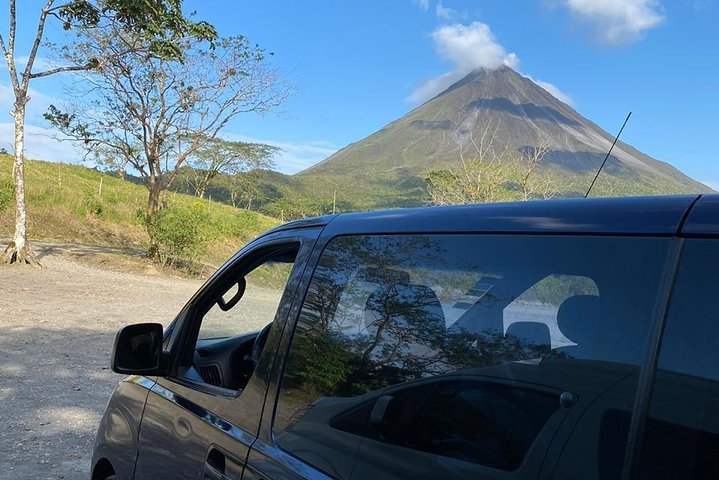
56 331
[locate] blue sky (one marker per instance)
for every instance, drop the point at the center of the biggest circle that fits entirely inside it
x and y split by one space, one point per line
358 65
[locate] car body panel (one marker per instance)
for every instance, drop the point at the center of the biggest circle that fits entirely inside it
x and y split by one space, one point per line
703 220
119 429
176 419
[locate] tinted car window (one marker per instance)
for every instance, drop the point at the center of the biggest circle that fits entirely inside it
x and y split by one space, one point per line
482 422
682 431
475 350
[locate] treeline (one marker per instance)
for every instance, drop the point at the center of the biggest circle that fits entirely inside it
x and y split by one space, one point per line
259 191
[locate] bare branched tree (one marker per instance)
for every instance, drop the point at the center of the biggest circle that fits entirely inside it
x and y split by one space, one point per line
486 173
154 114
533 184
157 22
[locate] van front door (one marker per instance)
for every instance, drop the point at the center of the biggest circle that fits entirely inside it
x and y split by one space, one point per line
200 421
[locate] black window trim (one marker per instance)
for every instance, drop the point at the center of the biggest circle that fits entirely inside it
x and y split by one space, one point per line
645 383
245 261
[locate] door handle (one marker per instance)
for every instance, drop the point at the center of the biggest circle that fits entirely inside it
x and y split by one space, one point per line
215 465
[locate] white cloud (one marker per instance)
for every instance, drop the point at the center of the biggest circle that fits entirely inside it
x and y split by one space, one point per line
41 64
294 156
7 96
467 47
38 104
41 144
617 22
422 4
701 5
445 13
471 46
432 87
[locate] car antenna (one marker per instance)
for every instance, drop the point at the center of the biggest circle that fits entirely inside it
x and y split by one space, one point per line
608 153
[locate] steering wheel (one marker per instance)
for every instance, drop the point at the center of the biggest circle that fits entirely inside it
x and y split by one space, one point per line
259 344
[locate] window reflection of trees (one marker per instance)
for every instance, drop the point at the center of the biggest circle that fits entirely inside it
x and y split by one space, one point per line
404 336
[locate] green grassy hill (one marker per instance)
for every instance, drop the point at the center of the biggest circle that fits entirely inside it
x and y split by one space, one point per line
67 203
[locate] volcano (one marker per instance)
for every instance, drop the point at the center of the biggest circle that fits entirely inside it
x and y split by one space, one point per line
521 115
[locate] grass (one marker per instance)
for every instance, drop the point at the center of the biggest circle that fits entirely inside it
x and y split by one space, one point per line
71 203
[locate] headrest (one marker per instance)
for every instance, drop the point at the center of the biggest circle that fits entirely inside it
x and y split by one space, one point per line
530 333
578 317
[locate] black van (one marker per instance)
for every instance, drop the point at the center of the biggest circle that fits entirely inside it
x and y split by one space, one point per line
544 340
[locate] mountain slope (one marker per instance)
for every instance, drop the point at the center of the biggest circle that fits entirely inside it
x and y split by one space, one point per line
519 114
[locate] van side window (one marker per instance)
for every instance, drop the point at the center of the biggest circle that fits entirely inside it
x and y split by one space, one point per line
479 350
681 437
242 305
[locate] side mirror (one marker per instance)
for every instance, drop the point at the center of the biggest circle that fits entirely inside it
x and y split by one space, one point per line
138 350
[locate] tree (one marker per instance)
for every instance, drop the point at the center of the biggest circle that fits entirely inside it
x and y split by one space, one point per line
156 21
244 188
231 158
486 174
156 113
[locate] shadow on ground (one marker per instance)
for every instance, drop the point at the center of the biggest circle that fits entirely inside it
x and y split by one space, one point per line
55 383
57 326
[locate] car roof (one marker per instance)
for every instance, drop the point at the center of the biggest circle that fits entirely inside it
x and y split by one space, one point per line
621 216
703 219
698 215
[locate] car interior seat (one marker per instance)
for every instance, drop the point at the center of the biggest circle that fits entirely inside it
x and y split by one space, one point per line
531 334
577 318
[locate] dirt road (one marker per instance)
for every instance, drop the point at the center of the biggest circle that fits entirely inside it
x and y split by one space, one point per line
56 332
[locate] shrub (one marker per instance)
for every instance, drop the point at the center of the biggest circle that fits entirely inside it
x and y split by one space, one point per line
179 233
140 217
93 205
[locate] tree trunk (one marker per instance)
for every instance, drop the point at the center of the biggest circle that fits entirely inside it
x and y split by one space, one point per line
19 251
153 199
205 183
153 205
